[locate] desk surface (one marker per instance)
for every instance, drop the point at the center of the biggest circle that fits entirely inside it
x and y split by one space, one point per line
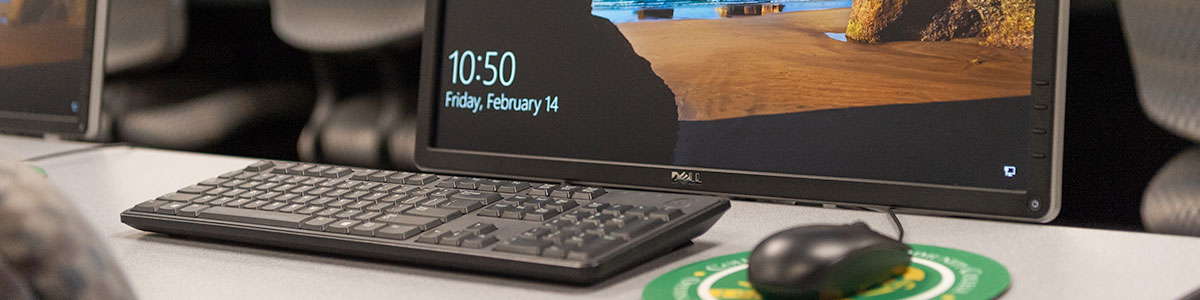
1045 261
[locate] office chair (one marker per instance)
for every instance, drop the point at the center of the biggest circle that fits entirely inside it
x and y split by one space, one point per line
365 56
167 89
1164 40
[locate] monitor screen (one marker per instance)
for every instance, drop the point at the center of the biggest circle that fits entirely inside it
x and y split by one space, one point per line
47 52
924 92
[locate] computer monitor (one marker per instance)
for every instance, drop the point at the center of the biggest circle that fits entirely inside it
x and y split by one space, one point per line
51 66
941 106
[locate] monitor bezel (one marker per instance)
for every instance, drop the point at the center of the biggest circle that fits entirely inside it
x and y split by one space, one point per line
1040 203
87 127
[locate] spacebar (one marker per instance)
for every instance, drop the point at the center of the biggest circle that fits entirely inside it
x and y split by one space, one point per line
253 216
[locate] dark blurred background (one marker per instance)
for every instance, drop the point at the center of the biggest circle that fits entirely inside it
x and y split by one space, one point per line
1112 149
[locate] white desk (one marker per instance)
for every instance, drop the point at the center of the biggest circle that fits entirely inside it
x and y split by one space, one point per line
1046 262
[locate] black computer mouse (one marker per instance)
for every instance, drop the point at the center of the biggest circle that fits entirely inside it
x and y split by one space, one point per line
825 262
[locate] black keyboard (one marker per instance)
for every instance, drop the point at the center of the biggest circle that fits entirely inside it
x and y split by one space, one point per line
556 232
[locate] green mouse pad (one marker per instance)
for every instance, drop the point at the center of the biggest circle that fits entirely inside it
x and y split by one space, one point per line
935 273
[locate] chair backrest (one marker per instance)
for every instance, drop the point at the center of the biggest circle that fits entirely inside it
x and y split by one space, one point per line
144 33
1164 42
347 25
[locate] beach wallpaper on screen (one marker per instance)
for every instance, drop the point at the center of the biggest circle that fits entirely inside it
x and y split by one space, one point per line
730 59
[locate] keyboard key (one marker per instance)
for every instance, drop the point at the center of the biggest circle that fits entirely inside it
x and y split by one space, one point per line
561 205
341 226
368 228
593 249
467 183
488 185
360 205
380 176
230 174
319 201
594 207
432 237
443 214
347 214
477 241
291 208
616 209
356 195
492 211
367 215
667 214
555 251
204 199
442 193
455 238
542 189
316 171
317 223
238 202
291 198
379 206
267 186
213 181
309 210
195 189
250 194
149 205
262 177
522 246
171 208
336 172
481 197
564 191
362 175
267 196
399 177
463 206
328 212
512 187
253 216
420 179
255 204
233 183
220 201
259 166
481 228
535 233
339 203
298 169
179 197
641 211
540 214
216 191
588 193
633 229
397 232
424 223
559 223
516 212
273 206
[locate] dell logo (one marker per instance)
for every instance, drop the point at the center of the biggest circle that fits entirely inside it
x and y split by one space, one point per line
681 177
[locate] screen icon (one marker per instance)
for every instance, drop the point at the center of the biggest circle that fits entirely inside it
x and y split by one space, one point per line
1010 171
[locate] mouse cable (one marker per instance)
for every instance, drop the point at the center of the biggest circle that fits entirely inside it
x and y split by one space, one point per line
74 151
892 212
